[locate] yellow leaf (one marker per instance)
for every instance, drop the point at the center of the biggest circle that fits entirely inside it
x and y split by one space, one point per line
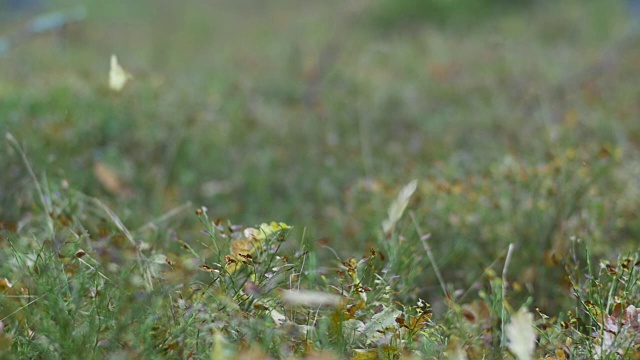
254 234
364 354
118 76
240 250
242 247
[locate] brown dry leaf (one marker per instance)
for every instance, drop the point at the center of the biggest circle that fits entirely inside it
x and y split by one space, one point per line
420 322
560 354
110 179
351 310
620 331
242 247
477 312
5 285
9 226
240 250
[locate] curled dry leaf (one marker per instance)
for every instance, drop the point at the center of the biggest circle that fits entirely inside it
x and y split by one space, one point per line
240 251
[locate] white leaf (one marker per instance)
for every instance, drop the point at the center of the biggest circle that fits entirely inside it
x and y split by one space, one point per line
521 335
277 317
118 76
310 298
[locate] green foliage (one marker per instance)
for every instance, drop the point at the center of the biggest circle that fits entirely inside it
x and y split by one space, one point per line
520 135
394 13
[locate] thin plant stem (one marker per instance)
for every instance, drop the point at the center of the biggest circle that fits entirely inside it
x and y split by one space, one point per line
427 248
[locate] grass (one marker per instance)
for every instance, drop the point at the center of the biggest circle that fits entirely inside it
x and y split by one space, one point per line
119 211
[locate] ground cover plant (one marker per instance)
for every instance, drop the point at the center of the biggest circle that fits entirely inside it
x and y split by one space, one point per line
312 180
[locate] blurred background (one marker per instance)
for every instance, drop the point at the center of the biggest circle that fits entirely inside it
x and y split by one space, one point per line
519 118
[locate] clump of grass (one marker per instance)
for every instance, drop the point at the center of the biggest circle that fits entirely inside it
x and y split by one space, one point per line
604 323
77 282
99 259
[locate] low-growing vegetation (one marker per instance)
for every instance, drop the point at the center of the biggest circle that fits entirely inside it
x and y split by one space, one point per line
284 180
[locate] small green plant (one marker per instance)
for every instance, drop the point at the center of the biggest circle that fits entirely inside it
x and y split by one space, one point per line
605 324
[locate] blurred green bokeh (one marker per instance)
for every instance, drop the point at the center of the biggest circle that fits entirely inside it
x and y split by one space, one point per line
394 13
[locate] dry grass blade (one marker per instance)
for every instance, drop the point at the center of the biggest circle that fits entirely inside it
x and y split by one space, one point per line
164 217
432 259
504 287
398 206
43 200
